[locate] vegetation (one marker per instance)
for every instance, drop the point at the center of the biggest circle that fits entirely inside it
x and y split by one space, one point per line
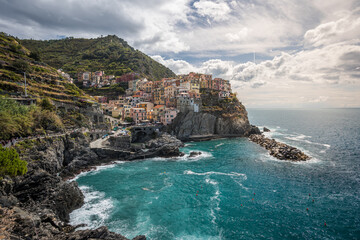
129 119
110 54
10 162
111 92
42 80
17 120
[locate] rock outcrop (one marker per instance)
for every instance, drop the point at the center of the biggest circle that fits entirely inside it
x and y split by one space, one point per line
194 154
279 150
265 129
217 118
187 126
163 146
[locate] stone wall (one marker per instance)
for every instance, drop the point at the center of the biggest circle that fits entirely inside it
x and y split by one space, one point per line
120 142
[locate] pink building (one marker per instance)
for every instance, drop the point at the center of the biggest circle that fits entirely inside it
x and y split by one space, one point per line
169 115
138 114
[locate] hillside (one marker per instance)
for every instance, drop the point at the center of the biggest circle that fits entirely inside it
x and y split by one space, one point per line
42 80
110 54
44 85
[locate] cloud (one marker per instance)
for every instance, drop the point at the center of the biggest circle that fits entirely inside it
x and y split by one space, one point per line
345 28
178 66
237 36
215 10
319 75
149 25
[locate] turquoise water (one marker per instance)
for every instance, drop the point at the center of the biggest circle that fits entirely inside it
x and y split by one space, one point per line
235 189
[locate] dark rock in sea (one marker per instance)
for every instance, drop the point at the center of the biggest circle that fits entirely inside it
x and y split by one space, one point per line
99 233
265 129
194 154
254 130
279 150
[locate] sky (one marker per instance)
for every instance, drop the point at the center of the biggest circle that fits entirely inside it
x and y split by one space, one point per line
276 53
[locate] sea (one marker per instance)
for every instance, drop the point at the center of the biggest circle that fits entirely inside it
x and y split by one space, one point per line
235 189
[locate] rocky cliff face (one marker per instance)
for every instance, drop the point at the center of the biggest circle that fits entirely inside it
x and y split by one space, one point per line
218 118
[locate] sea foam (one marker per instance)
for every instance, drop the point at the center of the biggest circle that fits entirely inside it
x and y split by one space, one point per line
95 211
189 172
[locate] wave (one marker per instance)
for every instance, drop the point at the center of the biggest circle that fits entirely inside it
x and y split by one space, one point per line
218 145
301 138
95 211
185 158
234 174
188 145
96 170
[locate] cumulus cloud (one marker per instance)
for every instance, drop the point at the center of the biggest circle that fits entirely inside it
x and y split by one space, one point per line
345 28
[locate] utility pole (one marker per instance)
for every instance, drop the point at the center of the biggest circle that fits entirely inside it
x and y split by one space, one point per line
25 84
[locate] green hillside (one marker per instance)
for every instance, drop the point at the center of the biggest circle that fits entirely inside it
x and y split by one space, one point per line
110 54
44 84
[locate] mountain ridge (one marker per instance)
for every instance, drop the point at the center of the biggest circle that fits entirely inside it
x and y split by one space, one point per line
110 54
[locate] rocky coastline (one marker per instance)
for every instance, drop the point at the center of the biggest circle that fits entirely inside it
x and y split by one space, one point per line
37 205
279 150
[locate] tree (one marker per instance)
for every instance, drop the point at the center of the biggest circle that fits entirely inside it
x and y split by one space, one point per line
10 162
35 55
129 119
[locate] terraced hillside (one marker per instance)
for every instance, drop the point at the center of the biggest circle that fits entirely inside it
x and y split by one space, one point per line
42 80
45 86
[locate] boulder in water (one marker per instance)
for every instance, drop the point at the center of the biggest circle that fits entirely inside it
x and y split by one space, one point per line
194 154
266 129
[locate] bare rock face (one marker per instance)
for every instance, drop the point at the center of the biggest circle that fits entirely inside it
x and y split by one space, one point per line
190 124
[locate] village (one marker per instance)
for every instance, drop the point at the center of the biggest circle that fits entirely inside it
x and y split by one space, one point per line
157 102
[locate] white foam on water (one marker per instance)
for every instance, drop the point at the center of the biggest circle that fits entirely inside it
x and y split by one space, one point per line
95 211
188 145
96 170
218 145
78 176
301 138
212 182
203 155
214 200
267 157
189 172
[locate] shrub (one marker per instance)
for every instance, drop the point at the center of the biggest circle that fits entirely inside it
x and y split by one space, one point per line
21 65
129 119
47 105
35 55
10 162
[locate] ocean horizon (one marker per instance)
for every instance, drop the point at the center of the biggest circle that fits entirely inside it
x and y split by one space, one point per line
235 189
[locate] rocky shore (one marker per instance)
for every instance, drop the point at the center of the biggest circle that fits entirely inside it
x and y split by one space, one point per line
37 205
279 150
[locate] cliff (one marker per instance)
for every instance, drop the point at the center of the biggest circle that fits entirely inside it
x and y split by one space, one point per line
218 118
